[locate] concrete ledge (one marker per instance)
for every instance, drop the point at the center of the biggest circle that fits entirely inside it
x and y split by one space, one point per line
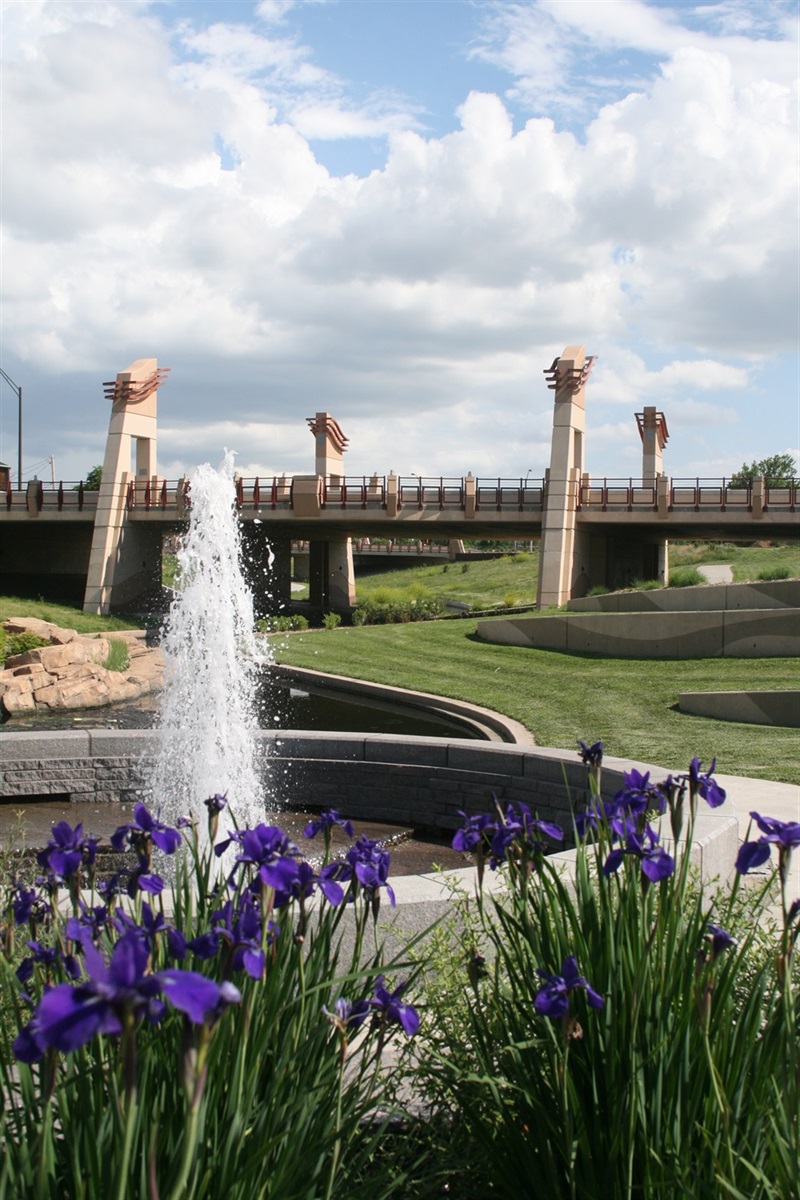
483 722
762 633
752 708
779 593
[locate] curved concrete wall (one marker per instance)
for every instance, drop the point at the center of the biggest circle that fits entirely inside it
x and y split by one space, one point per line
720 597
763 633
752 708
424 782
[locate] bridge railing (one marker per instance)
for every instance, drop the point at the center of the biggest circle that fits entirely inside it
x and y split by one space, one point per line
522 495
696 495
629 494
430 492
65 496
354 491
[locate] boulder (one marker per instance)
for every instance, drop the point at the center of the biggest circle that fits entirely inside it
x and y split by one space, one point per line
68 674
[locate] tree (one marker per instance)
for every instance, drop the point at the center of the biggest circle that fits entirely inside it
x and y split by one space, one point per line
92 481
777 471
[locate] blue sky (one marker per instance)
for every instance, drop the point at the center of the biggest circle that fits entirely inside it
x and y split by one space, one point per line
400 212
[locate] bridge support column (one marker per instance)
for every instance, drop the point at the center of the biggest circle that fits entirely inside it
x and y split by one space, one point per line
120 568
267 567
332 575
559 569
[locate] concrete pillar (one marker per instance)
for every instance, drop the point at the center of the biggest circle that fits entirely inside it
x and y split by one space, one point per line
332 582
654 434
133 418
558 569
266 565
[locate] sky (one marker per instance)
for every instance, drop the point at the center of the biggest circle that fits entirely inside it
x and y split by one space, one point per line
401 211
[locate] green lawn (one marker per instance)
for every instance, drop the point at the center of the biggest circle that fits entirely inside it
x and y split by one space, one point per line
746 561
629 704
512 579
59 614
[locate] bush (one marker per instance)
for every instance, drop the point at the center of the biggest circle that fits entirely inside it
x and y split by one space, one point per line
510 600
646 585
19 643
285 624
397 611
599 589
331 620
685 577
770 573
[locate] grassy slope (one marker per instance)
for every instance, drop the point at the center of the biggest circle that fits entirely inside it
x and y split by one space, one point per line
59 614
628 703
482 584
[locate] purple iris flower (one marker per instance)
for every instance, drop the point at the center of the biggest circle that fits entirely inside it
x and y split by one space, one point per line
69 1016
553 999
295 879
88 924
720 940
240 929
639 795
325 821
476 830
143 830
656 863
28 904
257 847
391 1010
369 863
48 957
702 783
67 851
591 756
347 1015
784 834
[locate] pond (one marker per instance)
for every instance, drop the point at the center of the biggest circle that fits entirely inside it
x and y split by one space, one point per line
281 706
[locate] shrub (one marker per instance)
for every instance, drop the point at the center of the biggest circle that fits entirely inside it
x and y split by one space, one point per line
397 610
510 600
118 658
685 577
599 589
331 620
19 643
646 585
284 624
773 573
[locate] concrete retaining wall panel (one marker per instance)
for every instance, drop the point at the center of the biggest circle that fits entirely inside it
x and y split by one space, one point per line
752 708
762 634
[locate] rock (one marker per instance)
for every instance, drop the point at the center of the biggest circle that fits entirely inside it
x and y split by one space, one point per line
68 674
42 629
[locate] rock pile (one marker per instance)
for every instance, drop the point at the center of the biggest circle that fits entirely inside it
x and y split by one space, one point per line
69 672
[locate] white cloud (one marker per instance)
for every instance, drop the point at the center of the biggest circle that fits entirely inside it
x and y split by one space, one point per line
434 290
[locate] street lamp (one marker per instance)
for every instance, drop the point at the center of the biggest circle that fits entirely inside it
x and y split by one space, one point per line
18 390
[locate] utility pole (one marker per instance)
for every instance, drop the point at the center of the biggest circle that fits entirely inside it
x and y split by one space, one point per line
18 390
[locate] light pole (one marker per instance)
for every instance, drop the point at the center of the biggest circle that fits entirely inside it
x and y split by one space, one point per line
18 390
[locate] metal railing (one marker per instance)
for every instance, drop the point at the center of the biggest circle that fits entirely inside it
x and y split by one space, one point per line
697 495
522 495
65 496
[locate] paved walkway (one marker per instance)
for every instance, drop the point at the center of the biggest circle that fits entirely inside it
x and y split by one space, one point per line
716 573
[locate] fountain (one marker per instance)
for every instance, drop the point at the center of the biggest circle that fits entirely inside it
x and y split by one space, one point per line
208 719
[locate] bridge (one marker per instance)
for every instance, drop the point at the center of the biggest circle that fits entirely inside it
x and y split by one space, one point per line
103 548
